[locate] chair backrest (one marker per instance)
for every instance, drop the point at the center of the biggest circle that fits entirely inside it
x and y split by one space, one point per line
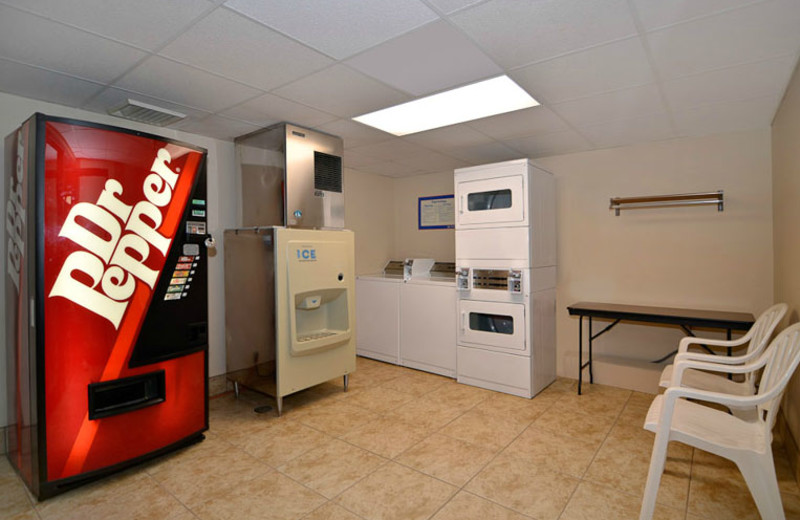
782 357
761 332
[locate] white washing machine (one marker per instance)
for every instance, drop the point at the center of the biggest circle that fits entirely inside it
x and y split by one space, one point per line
408 317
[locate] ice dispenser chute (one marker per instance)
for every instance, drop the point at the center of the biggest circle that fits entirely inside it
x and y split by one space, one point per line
320 320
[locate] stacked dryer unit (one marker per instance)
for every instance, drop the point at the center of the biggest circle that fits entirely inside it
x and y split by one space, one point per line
506 277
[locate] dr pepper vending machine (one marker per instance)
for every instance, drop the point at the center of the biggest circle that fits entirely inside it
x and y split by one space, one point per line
106 299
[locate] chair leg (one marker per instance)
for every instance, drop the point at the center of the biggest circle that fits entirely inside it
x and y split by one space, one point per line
758 470
657 460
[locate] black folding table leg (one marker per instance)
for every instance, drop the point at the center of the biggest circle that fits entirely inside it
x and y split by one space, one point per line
580 353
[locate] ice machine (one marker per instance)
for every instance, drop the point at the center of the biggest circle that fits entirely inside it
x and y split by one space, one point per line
291 176
290 308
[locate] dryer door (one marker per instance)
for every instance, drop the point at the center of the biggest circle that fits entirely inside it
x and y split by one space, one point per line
492 325
498 201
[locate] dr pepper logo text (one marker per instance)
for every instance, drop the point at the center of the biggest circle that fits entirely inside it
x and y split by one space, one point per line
116 239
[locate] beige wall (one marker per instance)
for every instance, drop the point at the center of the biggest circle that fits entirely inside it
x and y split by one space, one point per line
681 257
786 194
369 200
411 242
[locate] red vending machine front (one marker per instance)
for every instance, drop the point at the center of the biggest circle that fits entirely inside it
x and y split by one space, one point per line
106 299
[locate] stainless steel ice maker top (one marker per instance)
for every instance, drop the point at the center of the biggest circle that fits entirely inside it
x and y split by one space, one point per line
291 176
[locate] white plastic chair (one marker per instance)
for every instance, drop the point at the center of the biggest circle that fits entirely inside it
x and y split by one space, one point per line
673 418
758 337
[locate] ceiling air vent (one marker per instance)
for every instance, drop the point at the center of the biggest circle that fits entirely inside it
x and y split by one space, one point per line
144 113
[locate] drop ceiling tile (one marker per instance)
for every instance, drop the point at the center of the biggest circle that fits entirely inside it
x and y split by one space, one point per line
353 133
111 98
454 136
268 109
557 143
145 23
395 149
219 43
658 13
485 153
429 59
620 104
629 131
534 31
520 123
36 83
761 31
338 29
184 85
393 169
727 117
341 91
217 127
429 162
358 161
753 80
29 39
607 67
451 6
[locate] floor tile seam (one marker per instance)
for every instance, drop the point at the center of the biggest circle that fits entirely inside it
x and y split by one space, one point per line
497 503
31 507
32 502
308 515
633 495
561 433
492 459
162 485
347 441
493 450
578 439
426 437
440 479
381 412
297 481
173 495
377 468
442 506
580 411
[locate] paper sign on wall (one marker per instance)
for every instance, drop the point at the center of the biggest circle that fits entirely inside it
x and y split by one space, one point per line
436 212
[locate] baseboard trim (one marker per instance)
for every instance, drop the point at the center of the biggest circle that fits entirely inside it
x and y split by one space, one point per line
217 385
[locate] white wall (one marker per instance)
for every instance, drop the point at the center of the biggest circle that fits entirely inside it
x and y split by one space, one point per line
786 194
410 241
691 257
369 200
222 210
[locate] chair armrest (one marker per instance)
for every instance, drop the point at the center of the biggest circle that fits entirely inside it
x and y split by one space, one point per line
719 359
674 393
683 346
681 365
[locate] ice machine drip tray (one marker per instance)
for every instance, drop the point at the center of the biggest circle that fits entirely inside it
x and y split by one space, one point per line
321 321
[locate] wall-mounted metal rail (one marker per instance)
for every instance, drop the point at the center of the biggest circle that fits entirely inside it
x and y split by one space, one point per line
658 201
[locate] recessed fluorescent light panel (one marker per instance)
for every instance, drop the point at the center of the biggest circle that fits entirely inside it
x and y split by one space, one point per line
483 99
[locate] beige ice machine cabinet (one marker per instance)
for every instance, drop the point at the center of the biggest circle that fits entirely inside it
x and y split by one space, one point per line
315 308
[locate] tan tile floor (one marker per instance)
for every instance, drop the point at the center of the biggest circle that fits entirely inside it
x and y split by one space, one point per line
407 445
